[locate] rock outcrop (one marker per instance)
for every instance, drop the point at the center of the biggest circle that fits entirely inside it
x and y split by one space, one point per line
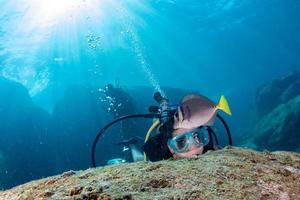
280 128
231 173
24 136
278 107
278 91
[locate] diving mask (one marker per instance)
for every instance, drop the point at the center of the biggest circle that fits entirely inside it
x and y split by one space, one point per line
181 143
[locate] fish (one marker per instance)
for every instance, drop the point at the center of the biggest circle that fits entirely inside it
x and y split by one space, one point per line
197 110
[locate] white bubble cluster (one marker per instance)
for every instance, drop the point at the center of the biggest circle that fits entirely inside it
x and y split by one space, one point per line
93 41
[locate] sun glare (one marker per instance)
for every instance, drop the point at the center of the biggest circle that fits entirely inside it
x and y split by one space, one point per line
56 7
49 11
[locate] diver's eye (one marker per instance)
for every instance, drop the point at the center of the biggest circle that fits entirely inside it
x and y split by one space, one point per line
197 137
181 143
201 136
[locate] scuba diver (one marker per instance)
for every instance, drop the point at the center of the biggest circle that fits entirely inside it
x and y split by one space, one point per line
189 133
184 130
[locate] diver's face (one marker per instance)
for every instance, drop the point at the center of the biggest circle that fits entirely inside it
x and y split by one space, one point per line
189 143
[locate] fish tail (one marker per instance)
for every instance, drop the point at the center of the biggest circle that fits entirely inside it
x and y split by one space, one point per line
223 105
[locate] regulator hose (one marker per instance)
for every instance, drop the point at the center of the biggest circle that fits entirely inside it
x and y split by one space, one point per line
100 133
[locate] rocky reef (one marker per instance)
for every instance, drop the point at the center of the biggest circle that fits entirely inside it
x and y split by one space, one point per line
24 136
280 128
279 91
278 107
231 173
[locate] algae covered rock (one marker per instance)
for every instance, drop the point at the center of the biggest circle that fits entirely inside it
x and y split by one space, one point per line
231 173
278 91
280 129
292 91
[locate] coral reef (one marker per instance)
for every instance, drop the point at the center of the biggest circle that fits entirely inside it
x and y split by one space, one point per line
231 173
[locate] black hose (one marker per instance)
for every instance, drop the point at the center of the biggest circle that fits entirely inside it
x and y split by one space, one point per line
227 129
110 124
214 135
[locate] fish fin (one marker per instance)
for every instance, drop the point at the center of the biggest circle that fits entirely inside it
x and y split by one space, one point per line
223 105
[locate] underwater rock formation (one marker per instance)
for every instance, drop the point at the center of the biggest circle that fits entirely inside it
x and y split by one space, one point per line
280 128
24 135
292 91
278 91
231 173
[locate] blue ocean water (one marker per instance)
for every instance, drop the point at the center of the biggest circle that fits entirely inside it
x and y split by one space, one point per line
57 56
